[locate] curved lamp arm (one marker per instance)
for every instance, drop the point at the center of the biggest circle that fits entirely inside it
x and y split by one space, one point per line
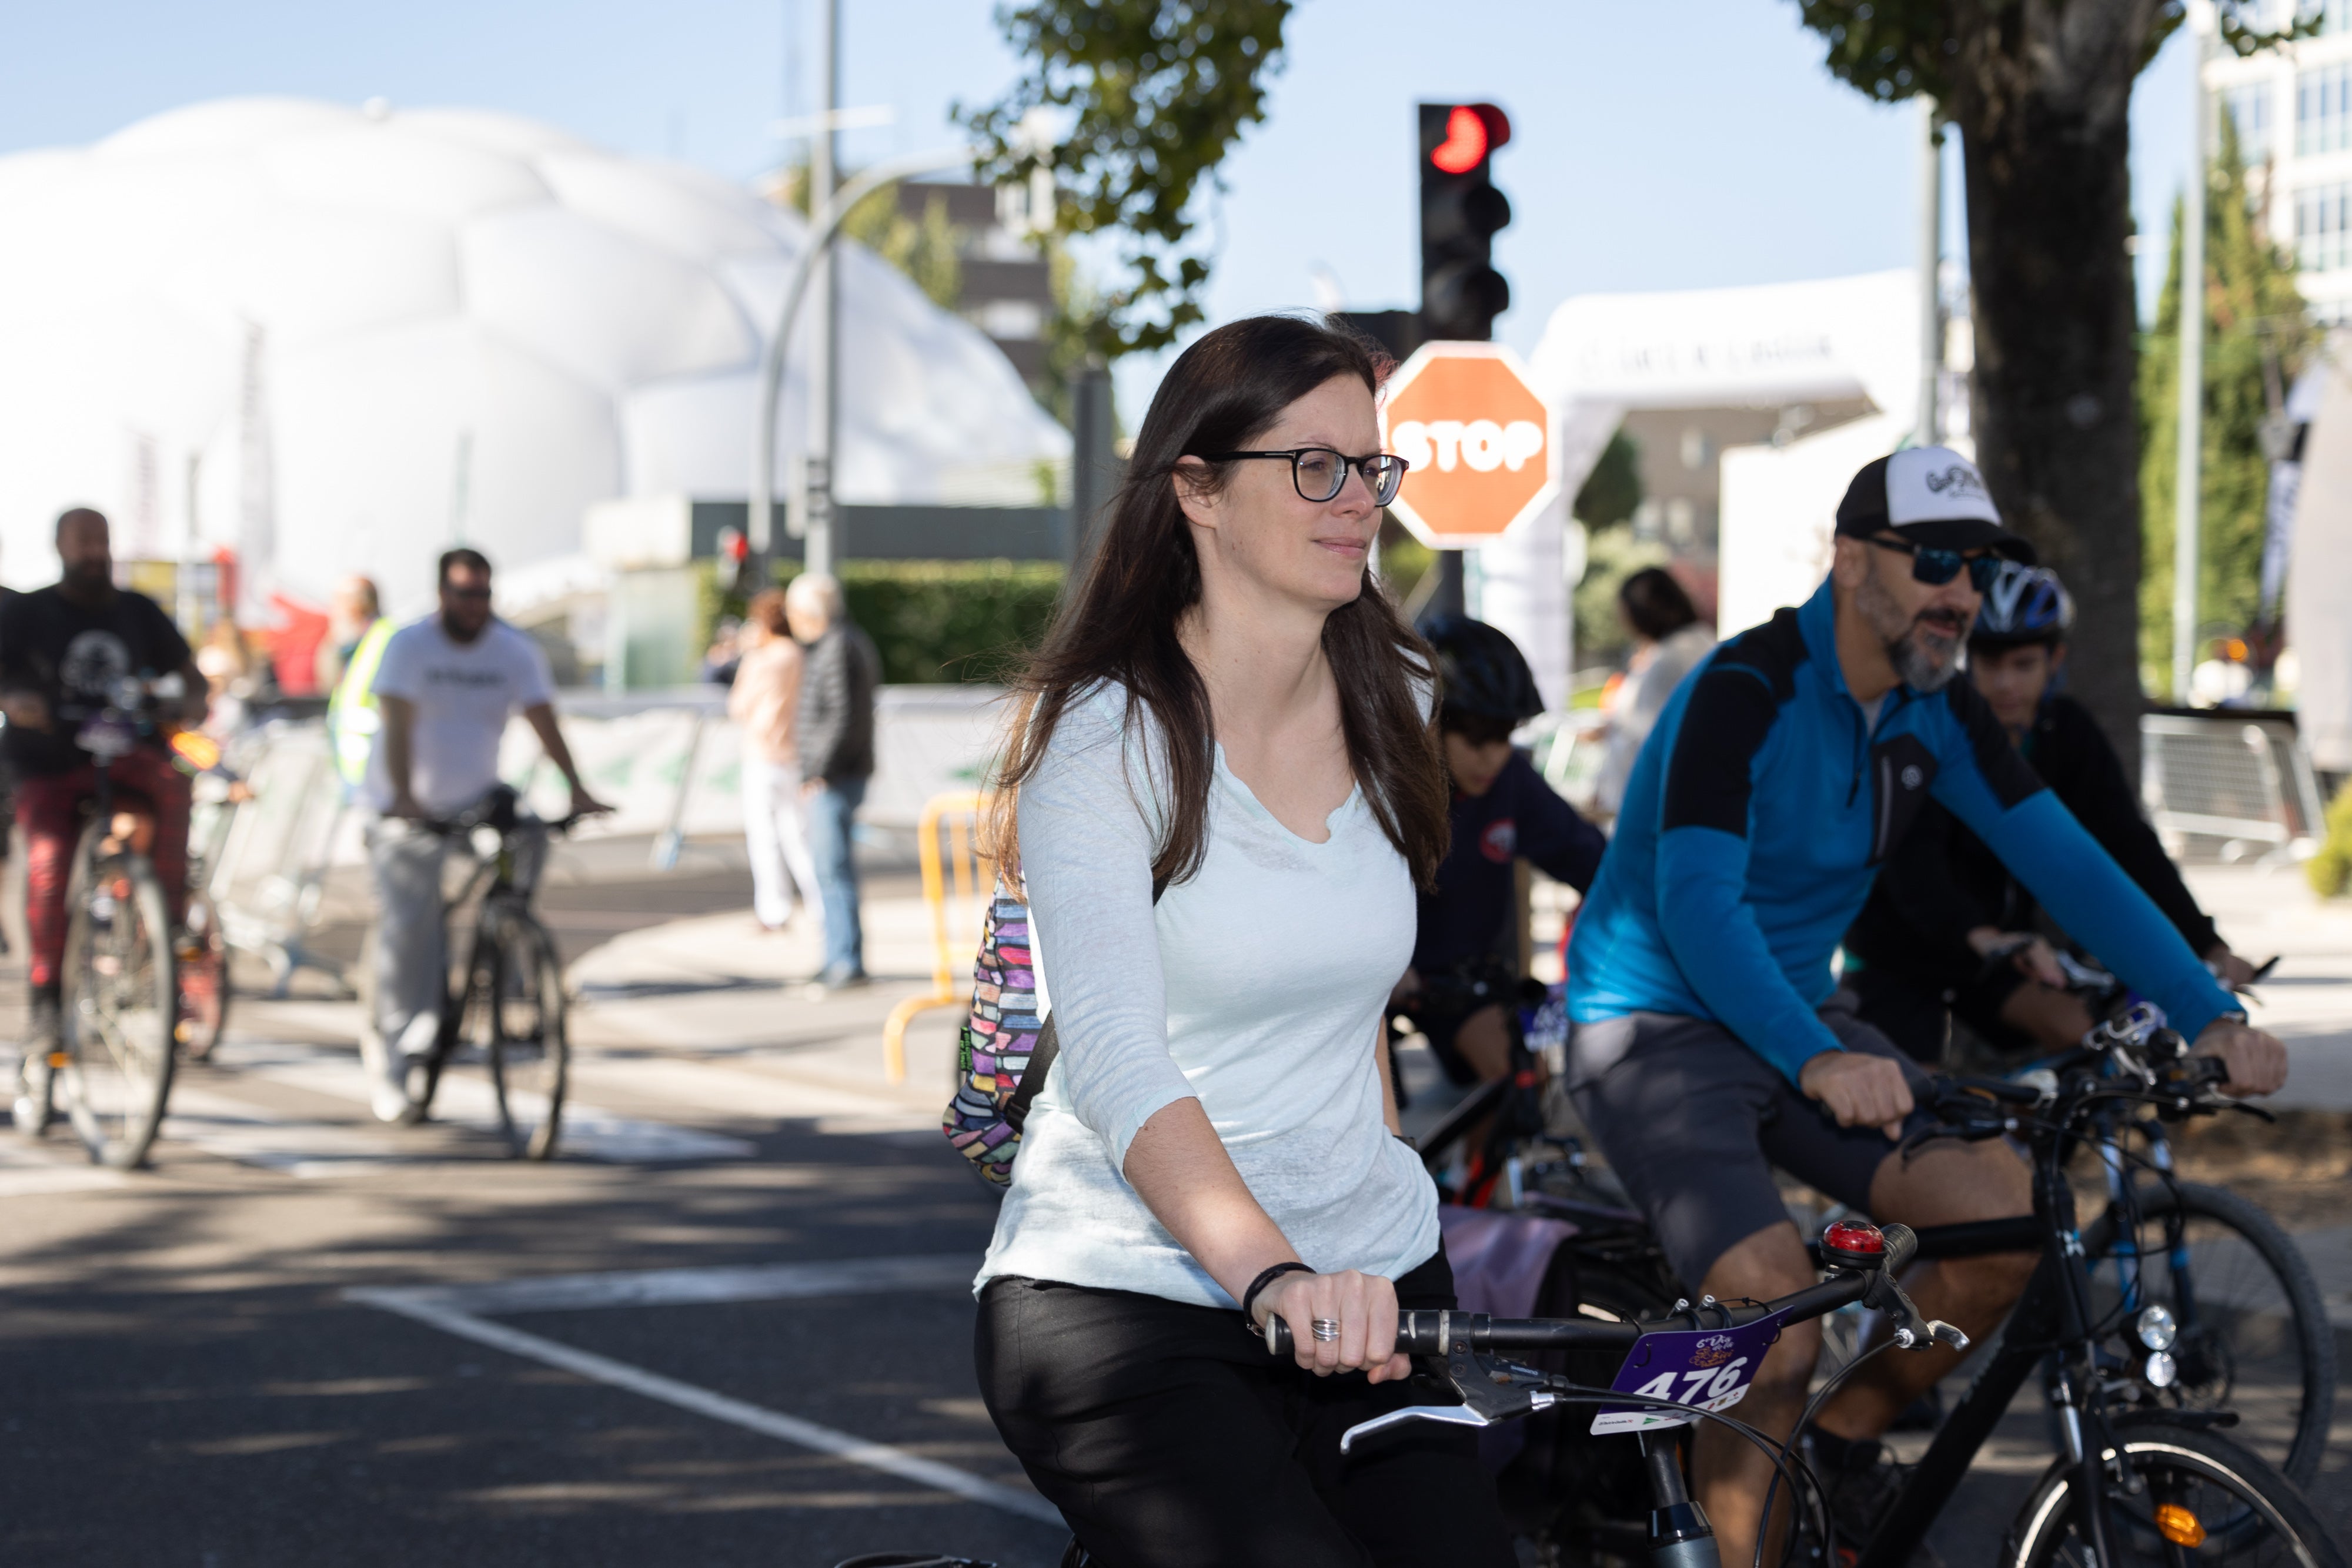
825 228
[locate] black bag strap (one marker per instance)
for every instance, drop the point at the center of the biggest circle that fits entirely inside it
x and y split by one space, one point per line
1049 1045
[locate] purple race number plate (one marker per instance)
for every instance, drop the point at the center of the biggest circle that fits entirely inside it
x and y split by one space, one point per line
1706 1369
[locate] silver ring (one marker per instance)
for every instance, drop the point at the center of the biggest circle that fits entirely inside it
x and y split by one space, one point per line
1326 1329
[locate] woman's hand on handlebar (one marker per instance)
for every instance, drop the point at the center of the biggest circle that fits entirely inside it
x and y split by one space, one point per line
1363 1306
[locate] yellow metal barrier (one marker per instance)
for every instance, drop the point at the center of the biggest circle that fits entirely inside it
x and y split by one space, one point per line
955 935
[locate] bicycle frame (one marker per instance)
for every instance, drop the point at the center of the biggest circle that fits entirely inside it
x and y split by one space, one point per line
2049 1328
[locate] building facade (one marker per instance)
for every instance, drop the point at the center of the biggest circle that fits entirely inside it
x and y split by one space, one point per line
2292 109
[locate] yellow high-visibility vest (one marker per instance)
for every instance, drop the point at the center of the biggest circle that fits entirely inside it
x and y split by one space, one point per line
352 715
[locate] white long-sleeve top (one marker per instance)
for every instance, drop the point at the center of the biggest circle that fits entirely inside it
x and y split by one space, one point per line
1256 985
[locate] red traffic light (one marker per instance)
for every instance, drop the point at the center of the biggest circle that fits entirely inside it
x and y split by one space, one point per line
1472 131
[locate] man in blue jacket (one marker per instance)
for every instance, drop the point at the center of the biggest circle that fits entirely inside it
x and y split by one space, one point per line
1709 1043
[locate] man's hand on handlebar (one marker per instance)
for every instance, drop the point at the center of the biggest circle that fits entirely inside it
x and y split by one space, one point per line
2255 1058
1859 1089
403 806
583 804
1363 1306
26 710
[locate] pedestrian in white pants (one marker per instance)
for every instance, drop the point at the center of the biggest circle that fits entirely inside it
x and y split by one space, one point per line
764 700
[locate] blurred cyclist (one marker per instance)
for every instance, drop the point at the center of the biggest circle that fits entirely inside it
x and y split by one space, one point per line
1948 928
446 685
67 647
1502 811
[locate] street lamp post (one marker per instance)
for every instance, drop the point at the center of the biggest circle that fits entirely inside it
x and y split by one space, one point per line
824 227
2189 468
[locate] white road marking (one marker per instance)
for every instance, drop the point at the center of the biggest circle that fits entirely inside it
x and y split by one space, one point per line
22 1176
702 1402
698 1287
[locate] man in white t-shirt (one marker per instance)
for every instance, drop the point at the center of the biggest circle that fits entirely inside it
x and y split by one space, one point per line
447 687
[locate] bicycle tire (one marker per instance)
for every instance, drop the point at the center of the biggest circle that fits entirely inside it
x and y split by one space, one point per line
2258 1321
2241 1505
204 982
118 954
514 1013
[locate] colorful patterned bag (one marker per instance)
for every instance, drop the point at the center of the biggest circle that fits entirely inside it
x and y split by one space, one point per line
1004 1051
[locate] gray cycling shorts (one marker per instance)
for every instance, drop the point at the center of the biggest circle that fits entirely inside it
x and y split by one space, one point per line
1693 1121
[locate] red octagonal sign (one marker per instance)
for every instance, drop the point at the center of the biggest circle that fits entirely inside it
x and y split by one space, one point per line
1479 439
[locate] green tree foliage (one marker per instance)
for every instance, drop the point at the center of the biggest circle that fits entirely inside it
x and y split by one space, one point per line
928 250
2256 334
1612 490
1156 93
1891 49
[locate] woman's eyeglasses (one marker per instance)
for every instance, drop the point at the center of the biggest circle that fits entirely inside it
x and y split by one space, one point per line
1938 566
1320 474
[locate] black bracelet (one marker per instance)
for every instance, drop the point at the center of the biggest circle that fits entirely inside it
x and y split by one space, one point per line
1249 1297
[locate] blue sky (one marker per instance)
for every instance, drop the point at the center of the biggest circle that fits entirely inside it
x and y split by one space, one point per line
1714 152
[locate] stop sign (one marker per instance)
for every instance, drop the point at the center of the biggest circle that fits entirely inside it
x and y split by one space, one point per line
1478 438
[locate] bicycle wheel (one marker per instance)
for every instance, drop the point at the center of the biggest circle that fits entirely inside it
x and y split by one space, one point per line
514 1015
203 981
119 992
2175 1495
2253 1331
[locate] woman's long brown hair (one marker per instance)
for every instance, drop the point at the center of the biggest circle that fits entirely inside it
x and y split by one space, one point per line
1119 623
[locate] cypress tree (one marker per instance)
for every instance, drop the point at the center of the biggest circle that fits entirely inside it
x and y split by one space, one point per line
2256 334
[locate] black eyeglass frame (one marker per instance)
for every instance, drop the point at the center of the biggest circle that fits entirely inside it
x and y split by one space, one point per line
1361 464
1936 567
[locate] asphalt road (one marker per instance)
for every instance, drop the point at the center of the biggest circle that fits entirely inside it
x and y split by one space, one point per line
300 1338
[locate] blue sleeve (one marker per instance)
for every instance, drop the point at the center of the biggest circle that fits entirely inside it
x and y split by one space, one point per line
1705 916
1554 835
1703 909
1984 783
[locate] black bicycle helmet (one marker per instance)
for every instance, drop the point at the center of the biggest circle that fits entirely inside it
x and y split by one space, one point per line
2025 604
1481 673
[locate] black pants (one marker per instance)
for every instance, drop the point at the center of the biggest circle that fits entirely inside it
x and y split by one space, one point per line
1166 1435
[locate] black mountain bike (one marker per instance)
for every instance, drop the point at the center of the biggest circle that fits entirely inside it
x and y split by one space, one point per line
2141 1475
504 1004
117 984
2248 1311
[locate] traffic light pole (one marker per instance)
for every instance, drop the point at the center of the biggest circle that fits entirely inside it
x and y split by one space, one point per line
1452 597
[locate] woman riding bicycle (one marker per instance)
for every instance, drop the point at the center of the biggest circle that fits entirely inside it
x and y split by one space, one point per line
1229 713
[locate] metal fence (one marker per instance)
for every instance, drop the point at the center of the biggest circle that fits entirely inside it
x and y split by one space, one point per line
2232 785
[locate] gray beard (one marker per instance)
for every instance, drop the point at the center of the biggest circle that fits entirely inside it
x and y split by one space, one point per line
1906 644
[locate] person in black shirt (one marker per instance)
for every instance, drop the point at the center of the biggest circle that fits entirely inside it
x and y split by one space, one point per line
1948 931
1502 811
62 648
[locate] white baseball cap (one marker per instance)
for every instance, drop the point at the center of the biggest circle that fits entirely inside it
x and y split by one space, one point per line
1930 496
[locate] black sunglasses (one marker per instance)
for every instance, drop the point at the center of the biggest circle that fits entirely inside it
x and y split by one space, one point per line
1940 566
1320 474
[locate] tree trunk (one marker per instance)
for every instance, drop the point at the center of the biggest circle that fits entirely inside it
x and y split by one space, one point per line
2040 96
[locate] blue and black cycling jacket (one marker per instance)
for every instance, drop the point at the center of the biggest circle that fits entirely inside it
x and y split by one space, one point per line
1759 811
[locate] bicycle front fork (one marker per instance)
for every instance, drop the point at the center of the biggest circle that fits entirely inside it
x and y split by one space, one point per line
1680 1536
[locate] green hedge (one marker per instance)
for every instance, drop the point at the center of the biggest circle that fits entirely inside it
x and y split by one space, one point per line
942 620
2331 870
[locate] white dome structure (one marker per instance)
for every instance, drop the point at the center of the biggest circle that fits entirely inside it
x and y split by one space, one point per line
339 339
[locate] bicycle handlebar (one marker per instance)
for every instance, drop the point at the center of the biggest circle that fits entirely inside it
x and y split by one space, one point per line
1427 1332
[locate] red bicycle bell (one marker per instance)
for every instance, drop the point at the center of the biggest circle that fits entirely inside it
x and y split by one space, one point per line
1856 1243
